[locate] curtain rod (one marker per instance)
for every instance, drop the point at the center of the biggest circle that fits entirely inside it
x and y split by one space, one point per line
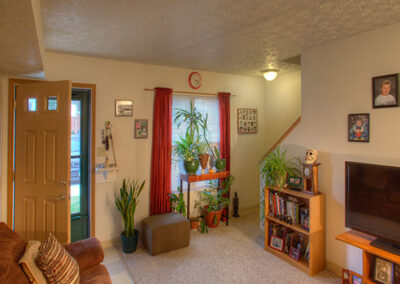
191 93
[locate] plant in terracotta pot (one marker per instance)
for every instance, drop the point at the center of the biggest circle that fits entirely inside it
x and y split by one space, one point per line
203 155
126 204
177 202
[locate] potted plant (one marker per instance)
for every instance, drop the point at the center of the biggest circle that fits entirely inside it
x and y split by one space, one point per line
203 155
220 164
177 202
276 168
215 201
195 219
126 203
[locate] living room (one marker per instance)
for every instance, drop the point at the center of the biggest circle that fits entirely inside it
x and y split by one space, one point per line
339 60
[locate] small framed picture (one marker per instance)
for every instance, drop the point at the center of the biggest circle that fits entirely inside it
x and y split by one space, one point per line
276 243
141 128
383 272
385 91
247 120
295 253
295 182
355 278
345 276
358 127
123 108
305 218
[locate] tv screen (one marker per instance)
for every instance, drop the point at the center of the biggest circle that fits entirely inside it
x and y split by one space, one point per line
373 200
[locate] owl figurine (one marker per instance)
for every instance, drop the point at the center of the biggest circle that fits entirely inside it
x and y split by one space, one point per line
311 156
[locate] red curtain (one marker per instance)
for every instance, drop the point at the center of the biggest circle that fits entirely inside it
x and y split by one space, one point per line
161 152
225 127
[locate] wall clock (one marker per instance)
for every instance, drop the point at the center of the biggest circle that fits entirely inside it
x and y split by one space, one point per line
195 80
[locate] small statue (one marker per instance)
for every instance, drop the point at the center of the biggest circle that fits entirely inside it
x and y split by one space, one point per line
311 156
236 205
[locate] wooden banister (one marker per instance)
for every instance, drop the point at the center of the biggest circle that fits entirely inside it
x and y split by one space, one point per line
290 129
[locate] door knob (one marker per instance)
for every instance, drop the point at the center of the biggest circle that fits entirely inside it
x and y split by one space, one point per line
63 183
60 197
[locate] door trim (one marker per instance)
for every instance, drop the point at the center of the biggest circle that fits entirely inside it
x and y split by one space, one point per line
11 142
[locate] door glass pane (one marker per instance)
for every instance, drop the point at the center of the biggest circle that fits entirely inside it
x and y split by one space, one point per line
31 104
52 103
75 157
75 185
75 128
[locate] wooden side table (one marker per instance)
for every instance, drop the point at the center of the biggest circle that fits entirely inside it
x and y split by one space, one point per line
195 178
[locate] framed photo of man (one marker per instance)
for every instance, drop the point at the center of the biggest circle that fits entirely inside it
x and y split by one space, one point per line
385 91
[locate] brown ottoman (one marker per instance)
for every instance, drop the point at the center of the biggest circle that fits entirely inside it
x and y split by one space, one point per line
165 232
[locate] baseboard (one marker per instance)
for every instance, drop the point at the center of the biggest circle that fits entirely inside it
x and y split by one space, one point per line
111 243
333 267
245 209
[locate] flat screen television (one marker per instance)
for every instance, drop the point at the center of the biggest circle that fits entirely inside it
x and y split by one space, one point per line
373 203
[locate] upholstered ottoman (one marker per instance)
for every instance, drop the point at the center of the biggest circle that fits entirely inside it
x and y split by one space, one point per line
165 232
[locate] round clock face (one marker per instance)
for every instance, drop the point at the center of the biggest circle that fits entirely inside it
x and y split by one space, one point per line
195 80
307 171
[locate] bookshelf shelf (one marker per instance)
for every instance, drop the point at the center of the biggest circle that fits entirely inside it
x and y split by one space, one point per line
316 234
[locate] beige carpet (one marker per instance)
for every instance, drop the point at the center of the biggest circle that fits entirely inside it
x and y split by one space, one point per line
232 254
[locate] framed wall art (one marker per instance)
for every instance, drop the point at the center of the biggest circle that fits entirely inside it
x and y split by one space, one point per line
141 128
358 127
247 120
123 108
385 91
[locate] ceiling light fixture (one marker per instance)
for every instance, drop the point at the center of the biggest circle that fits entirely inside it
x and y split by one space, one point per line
270 74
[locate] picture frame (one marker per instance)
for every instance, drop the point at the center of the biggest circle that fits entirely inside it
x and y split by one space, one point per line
385 91
277 243
359 127
141 128
356 278
345 276
305 218
294 253
383 271
247 120
123 108
295 182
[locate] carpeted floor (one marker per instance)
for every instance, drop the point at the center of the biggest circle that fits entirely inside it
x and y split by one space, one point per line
232 254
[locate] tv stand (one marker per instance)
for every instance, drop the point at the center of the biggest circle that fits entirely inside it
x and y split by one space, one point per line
370 252
387 246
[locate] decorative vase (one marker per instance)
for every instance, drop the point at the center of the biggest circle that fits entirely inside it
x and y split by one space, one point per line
191 166
220 164
203 158
213 218
129 243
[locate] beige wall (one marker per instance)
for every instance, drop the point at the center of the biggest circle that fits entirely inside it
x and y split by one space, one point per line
126 80
336 81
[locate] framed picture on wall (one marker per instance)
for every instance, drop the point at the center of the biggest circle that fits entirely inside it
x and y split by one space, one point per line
385 91
141 128
358 127
123 108
247 120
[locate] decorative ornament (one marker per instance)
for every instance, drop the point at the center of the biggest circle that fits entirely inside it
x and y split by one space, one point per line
311 156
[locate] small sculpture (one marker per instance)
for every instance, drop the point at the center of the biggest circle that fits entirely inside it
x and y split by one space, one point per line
311 156
236 206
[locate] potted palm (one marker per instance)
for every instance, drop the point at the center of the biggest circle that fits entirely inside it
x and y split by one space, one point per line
126 204
177 202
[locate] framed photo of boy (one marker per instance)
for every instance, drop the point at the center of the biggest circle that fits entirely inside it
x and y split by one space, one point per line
385 91
358 127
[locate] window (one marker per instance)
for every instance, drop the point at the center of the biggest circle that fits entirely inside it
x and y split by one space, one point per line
52 103
31 104
206 105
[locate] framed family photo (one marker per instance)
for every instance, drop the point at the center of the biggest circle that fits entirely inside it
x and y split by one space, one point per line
358 127
385 91
383 271
123 108
141 128
247 120
276 243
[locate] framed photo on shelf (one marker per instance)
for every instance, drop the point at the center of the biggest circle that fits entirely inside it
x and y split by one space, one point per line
356 278
385 91
276 243
295 253
383 272
123 108
305 218
141 128
345 276
247 120
295 182
358 127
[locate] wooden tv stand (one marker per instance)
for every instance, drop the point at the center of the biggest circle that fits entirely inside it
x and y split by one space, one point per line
362 241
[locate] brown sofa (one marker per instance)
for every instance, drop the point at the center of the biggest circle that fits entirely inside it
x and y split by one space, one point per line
88 253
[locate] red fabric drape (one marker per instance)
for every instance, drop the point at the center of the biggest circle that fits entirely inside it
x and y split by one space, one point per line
161 152
225 127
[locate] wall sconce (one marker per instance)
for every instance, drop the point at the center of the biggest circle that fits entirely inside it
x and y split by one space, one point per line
270 74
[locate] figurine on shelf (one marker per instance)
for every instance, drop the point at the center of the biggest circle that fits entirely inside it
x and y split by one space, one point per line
236 205
311 156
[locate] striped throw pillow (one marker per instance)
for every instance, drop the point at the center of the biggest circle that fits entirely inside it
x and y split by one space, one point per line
57 265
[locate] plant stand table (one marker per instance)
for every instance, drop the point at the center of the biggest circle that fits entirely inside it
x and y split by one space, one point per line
195 178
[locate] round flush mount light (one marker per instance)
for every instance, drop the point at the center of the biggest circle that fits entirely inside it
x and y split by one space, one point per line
270 74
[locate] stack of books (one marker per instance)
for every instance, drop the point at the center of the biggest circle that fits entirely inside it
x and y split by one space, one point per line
286 208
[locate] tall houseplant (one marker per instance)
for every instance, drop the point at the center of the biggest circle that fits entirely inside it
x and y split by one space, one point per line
126 204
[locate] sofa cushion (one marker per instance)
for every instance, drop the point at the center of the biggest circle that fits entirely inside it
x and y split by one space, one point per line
12 247
28 263
57 265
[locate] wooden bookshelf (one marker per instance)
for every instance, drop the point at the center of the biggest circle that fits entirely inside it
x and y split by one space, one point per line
363 241
315 235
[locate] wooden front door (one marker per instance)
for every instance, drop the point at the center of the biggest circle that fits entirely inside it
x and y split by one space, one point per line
42 160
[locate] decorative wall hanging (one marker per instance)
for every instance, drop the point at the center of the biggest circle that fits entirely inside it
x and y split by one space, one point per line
385 91
247 120
141 128
123 108
358 127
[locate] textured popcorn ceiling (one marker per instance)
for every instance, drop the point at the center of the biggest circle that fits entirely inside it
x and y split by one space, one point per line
240 37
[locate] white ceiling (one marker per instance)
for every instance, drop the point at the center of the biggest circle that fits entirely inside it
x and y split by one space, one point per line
229 36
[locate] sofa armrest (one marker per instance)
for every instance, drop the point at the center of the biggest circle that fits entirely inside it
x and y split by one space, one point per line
87 253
